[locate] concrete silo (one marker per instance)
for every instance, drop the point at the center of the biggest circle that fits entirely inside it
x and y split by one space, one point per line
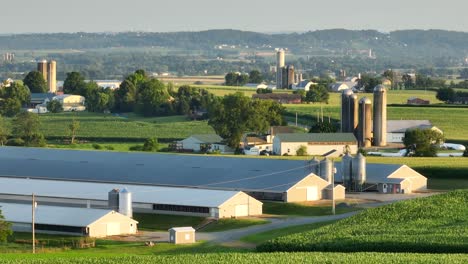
380 116
42 68
349 111
52 76
280 62
364 131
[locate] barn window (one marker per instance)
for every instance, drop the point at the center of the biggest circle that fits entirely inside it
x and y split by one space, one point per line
181 208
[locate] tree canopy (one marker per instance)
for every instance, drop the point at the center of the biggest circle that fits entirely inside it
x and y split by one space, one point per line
35 82
74 83
235 114
26 126
422 142
317 94
5 228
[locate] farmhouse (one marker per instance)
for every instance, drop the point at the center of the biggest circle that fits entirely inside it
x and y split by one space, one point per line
204 143
66 220
264 179
396 128
146 199
316 143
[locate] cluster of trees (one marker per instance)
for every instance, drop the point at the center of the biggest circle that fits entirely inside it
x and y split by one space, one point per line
449 95
317 94
12 98
240 79
235 114
422 142
140 94
5 228
25 131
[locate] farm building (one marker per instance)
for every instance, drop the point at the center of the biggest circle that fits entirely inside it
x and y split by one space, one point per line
396 128
264 179
303 85
71 102
417 101
316 143
66 220
182 235
146 199
204 143
389 178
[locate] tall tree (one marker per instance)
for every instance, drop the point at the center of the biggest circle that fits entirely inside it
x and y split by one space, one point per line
35 82
10 107
255 77
446 94
4 131
5 228
422 142
317 94
17 91
27 126
368 82
74 83
54 106
73 129
152 98
236 114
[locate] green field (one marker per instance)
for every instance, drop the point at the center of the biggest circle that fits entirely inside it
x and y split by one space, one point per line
228 224
160 222
436 224
119 128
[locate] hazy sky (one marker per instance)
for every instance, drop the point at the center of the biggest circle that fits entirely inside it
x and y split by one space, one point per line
20 16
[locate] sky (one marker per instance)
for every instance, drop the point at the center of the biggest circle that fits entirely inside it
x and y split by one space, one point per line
270 16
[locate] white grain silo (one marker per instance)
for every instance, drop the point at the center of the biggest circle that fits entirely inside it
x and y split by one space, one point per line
280 63
326 169
125 203
359 171
380 116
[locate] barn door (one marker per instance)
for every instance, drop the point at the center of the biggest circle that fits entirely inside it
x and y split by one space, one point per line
312 193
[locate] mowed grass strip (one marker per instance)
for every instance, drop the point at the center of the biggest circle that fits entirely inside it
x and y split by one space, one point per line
161 222
436 224
301 209
228 224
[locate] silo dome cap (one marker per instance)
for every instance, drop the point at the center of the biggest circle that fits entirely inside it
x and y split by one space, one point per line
380 88
124 190
348 92
365 100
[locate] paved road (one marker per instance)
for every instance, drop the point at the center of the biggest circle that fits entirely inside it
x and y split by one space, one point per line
236 234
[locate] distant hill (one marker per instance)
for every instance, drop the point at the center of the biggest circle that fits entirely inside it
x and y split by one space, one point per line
431 43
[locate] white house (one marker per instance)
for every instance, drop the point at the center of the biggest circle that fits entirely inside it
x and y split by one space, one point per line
204 143
317 144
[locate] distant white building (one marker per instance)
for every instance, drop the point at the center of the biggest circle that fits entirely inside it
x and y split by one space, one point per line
396 129
204 143
303 85
71 103
341 86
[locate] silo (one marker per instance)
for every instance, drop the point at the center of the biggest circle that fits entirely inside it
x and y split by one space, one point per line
326 169
359 170
380 116
346 168
42 68
113 199
52 76
364 131
314 166
345 109
280 62
353 114
125 203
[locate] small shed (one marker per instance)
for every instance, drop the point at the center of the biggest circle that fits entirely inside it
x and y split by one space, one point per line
182 235
339 192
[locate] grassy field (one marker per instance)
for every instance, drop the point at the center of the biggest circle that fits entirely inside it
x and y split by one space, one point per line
160 222
436 224
299 209
227 224
268 235
109 127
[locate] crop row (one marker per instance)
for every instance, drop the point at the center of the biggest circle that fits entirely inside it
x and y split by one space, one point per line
249 258
436 224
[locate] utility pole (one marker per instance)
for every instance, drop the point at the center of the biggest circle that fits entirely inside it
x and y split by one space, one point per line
33 209
333 186
296 119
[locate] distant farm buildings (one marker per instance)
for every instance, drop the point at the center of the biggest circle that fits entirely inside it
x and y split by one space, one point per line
283 98
417 101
